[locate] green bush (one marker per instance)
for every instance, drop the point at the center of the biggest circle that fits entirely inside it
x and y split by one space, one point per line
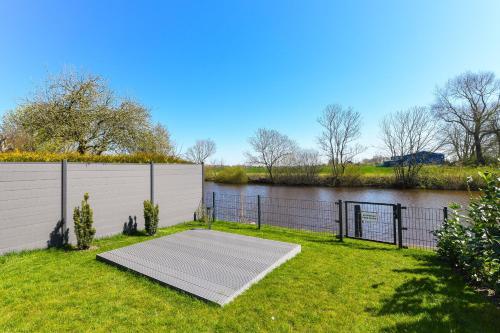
151 217
471 241
232 175
84 218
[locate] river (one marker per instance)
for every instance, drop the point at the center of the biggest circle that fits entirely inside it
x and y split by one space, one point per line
312 208
411 197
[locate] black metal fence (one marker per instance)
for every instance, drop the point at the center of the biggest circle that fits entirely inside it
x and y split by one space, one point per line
307 215
380 222
419 224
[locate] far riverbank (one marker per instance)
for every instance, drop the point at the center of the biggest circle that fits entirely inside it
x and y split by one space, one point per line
360 176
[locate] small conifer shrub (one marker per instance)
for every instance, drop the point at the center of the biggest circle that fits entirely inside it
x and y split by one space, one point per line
83 217
151 217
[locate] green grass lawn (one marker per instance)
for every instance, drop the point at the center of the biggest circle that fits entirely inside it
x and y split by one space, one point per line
353 286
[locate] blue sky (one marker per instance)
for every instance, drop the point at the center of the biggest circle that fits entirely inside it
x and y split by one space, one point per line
222 69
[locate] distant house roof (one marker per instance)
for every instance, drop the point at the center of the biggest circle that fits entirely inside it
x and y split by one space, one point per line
421 157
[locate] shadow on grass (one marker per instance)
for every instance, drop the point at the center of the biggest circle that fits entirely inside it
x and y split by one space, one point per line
303 235
139 233
127 270
437 301
363 245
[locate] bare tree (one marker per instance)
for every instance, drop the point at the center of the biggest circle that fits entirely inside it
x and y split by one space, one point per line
302 166
472 101
217 162
457 141
270 149
176 150
308 165
201 150
405 133
341 129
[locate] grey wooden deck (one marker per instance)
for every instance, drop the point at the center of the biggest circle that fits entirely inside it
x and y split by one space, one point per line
213 265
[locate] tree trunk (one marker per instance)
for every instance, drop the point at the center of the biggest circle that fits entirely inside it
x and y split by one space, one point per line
479 151
270 171
497 133
81 148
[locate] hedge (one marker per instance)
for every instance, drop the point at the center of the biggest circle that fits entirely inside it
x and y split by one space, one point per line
470 240
18 156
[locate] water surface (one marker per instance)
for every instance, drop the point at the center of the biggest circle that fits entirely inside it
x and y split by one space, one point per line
412 197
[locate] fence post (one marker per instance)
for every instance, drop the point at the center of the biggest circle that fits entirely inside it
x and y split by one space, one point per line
357 221
258 211
213 206
346 221
445 214
341 231
202 184
400 225
394 221
64 201
152 182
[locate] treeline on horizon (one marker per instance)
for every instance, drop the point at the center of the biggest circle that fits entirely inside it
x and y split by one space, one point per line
463 122
78 117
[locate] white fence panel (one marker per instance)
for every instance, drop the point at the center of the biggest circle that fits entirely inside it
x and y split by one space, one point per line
30 205
31 198
178 191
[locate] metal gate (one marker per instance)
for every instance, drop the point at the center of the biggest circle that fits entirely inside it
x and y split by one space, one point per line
373 221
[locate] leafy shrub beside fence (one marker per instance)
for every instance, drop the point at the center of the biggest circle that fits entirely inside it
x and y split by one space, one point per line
471 241
232 175
18 156
84 218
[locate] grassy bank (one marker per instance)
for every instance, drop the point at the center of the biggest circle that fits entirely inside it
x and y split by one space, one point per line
353 286
431 177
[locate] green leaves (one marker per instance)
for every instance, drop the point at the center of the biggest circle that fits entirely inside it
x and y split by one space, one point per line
471 241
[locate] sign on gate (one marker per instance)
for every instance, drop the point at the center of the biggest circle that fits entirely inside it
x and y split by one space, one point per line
369 217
